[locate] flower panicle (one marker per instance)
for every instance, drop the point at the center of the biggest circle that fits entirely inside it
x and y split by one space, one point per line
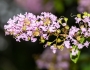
30 27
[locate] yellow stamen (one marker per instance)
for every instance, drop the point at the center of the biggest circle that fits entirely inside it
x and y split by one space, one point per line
24 28
11 33
28 38
26 21
47 21
78 38
36 33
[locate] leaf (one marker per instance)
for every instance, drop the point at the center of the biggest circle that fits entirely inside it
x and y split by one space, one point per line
82 40
74 46
75 58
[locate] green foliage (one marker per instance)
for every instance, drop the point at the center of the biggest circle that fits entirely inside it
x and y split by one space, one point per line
75 58
82 40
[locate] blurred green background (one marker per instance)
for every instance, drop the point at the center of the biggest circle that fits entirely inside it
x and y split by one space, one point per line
25 55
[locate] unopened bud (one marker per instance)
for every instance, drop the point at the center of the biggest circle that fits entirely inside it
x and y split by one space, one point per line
67 27
58 40
66 19
49 43
79 15
60 21
58 31
61 47
42 40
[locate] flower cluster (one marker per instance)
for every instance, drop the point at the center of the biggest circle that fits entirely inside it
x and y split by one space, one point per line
77 36
22 27
58 61
30 27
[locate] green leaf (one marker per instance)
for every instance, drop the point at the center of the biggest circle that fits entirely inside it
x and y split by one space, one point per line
74 46
75 58
82 40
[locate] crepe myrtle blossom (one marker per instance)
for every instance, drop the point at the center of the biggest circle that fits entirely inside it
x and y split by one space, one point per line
86 44
49 23
67 44
75 40
74 52
84 23
21 26
53 48
73 30
30 27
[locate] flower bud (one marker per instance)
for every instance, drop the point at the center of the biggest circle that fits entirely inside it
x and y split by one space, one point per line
66 19
58 40
49 43
42 40
79 15
58 31
67 27
60 21
61 47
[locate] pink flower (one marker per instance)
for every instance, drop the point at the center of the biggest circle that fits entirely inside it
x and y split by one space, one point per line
73 30
86 44
86 19
53 48
74 52
77 19
80 46
67 44
33 39
52 29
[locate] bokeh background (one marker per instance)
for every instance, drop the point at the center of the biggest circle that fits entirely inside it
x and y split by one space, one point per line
32 56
